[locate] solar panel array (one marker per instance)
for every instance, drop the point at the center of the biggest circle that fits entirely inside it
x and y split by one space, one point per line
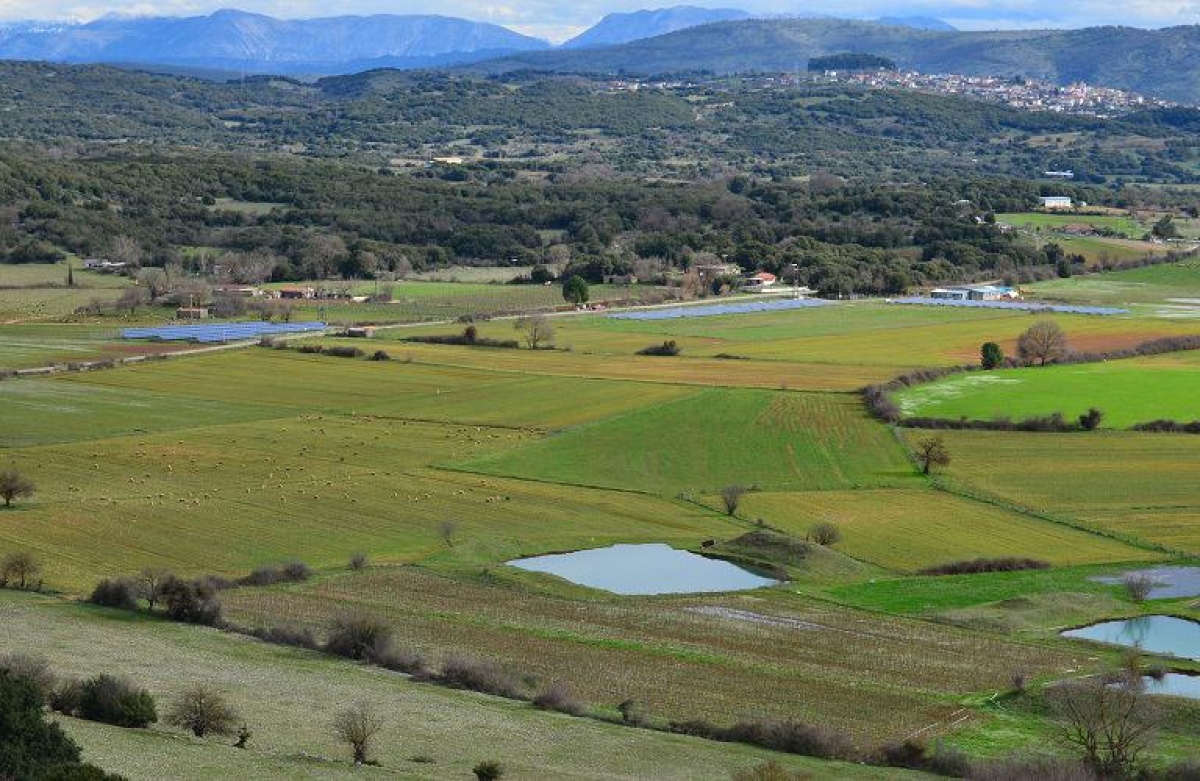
1019 306
721 309
219 332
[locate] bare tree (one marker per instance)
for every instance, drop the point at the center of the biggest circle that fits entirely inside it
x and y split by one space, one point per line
20 568
1110 725
156 282
932 452
537 330
1044 341
357 726
203 710
731 497
126 250
825 533
14 485
1138 586
131 298
448 531
151 584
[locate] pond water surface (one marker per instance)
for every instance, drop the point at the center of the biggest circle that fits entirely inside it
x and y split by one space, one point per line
1153 634
1176 684
1169 582
646 569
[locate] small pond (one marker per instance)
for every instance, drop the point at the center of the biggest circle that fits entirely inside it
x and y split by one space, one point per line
646 569
1153 634
1175 684
1169 582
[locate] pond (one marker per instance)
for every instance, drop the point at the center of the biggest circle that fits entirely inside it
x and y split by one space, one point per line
632 570
1153 634
1175 684
1169 582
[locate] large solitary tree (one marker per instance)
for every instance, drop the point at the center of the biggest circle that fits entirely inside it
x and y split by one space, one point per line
932 452
14 485
575 290
537 329
203 710
1042 342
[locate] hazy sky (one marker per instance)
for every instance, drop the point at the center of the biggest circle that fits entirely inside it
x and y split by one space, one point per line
558 20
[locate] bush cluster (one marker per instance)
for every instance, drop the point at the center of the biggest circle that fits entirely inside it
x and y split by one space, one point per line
976 566
106 699
469 337
1166 426
667 348
479 676
291 572
792 737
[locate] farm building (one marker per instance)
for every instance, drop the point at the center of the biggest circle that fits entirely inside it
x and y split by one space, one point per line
297 293
361 332
1056 202
974 293
191 313
759 280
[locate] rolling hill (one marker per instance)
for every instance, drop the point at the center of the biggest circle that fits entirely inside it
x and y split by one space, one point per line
1154 62
620 28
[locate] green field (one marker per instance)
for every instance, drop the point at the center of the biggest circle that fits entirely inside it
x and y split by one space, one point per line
1129 392
906 530
1121 223
1173 287
445 463
770 440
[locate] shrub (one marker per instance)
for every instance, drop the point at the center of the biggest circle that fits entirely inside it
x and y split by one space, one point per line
281 635
380 355
483 677
358 560
33 670
194 602
357 726
66 696
488 770
557 697
117 701
825 533
667 348
991 356
118 593
312 349
1138 586
362 638
292 572
203 710
409 662
769 771
634 713
1032 768
1090 420
976 566
338 351
731 497
792 737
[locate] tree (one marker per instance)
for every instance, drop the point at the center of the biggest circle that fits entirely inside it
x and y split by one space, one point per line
575 290
537 330
488 770
991 355
116 701
1044 341
29 745
203 710
20 567
151 583
14 485
932 452
357 726
193 602
448 530
1165 228
70 275
1110 725
131 298
126 250
731 497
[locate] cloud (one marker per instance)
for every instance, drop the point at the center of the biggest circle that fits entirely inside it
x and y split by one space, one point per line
557 20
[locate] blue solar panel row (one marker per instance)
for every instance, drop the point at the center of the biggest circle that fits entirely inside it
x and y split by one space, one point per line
219 332
1015 305
722 309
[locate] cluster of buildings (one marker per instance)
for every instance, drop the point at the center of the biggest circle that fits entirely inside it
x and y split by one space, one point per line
1027 94
975 293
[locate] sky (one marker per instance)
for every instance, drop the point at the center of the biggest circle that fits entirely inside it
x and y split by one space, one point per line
556 20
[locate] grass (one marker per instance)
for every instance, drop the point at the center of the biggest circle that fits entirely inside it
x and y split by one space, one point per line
1161 284
1040 220
906 530
1129 392
289 697
789 441
1138 485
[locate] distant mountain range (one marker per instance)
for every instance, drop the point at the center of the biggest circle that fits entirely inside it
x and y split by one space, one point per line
236 40
1164 63
623 28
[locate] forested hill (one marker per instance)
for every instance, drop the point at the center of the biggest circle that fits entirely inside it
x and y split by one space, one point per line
552 125
1163 63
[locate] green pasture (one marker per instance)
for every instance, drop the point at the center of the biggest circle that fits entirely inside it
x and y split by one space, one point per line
906 530
1128 392
714 438
289 698
1162 284
1122 223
